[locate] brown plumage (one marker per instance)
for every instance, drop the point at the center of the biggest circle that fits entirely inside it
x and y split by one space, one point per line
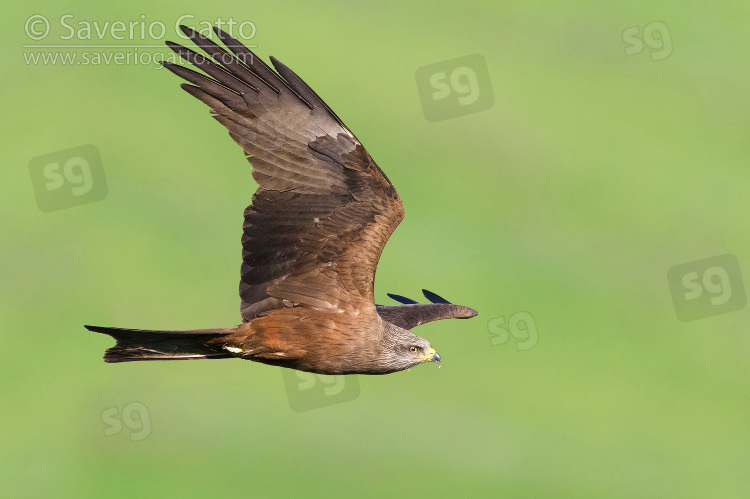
312 236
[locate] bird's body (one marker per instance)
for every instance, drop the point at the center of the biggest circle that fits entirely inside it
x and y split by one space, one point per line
312 236
320 341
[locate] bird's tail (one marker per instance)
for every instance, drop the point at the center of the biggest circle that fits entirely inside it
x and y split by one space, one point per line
138 344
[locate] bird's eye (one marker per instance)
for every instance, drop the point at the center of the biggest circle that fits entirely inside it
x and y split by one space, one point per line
413 349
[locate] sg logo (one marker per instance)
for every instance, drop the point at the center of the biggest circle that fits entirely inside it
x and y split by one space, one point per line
68 178
521 327
454 88
656 37
134 416
707 287
307 391
463 81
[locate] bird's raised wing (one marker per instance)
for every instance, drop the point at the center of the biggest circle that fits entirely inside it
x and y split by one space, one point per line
324 210
413 314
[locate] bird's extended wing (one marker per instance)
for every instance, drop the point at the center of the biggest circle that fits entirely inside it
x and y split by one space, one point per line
324 210
413 314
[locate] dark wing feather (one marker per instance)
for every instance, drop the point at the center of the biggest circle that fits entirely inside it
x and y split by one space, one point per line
434 297
324 210
401 299
410 316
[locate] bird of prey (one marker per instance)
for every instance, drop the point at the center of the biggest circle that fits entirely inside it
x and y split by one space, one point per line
312 236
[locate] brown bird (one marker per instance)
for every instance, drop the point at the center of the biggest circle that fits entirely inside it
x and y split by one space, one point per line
312 236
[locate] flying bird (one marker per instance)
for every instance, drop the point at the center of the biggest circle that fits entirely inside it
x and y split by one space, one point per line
312 236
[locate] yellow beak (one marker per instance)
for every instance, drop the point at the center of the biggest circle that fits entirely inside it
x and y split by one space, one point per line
430 356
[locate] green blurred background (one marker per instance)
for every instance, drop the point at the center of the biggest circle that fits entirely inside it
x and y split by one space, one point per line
592 175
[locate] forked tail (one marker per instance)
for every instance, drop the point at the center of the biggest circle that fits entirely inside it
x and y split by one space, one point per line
138 344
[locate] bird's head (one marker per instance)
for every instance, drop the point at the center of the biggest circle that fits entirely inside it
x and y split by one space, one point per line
404 349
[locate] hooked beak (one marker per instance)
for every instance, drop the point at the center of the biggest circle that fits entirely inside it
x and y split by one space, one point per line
430 356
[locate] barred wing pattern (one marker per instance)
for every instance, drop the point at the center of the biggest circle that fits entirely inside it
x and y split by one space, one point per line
324 210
